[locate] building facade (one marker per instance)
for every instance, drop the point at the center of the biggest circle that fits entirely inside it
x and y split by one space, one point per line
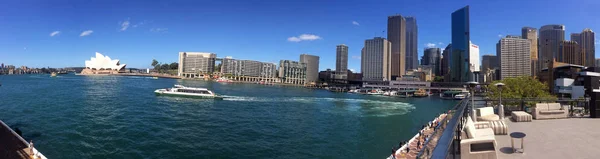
459 68
432 58
375 60
474 65
412 33
249 70
597 62
570 52
341 61
489 65
514 56
446 59
532 35
312 67
196 64
396 34
292 72
586 40
549 42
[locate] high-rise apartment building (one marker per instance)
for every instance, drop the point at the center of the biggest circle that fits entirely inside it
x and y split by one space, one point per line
411 43
531 34
460 46
194 64
549 42
586 40
292 72
597 62
341 61
248 68
396 34
375 60
474 65
571 53
514 56
312 67
432 58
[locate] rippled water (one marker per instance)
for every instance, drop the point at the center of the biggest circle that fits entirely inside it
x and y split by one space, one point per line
120 117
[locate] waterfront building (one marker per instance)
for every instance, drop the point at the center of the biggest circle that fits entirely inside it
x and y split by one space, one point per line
292 72
375 60
432 58
489 65
98 65
549 42
249 70
461 44
396 34
514 56
341 61
560 77
586 40
312 68
597 63
196 64
570 52
530 34
474 65
412 33
446 59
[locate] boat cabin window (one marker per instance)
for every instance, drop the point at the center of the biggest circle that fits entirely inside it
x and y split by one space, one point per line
193 91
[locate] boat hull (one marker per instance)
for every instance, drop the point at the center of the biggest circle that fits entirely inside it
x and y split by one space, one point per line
187 96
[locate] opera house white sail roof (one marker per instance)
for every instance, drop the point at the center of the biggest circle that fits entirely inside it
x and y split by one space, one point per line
101 62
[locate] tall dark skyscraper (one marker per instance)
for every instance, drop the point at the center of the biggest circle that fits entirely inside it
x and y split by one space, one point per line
460 46
412 33
549 43
396 34
341 61
446 58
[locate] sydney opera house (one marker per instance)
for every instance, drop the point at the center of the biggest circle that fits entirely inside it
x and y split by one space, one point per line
102 65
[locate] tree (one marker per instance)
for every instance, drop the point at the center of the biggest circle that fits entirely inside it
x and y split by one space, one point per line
164 67
438 79
174 66
518 88
154 63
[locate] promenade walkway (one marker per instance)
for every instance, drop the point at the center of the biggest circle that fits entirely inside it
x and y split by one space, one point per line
411 149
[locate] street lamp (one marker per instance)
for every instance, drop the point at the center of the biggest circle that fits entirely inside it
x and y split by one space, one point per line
472 85
500 107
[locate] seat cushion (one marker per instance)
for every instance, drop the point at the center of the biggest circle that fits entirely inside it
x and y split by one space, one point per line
492 117
470 128
554 106
485 111
541 106
482 133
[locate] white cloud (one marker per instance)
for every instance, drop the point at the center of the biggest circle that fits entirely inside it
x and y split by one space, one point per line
355 23
86 33
441 43
304 37
356 57
124 25
430 45
159 30
139 24
352 70
500 35
54 33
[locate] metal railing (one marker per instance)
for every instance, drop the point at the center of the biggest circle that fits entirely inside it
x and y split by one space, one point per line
439 145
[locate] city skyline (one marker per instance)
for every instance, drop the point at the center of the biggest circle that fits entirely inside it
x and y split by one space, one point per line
67 35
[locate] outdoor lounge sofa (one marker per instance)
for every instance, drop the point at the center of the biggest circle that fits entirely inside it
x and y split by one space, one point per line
486 114
477 143
549 111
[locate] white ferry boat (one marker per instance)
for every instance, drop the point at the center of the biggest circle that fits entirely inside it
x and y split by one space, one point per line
460 96
183 91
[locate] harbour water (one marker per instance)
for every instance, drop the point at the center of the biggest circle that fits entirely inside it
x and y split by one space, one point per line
73 116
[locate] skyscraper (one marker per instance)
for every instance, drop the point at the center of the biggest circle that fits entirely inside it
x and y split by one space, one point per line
411 43
396 34
341 61
432 58
585 39
375 60
514 55
460 46
597 62
489 65
549 43
571 53
312 67
531 34
474 58
446 59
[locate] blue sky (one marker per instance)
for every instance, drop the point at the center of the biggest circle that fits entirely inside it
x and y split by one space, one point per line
262 30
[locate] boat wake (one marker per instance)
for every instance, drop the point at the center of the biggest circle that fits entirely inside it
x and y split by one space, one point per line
365 107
